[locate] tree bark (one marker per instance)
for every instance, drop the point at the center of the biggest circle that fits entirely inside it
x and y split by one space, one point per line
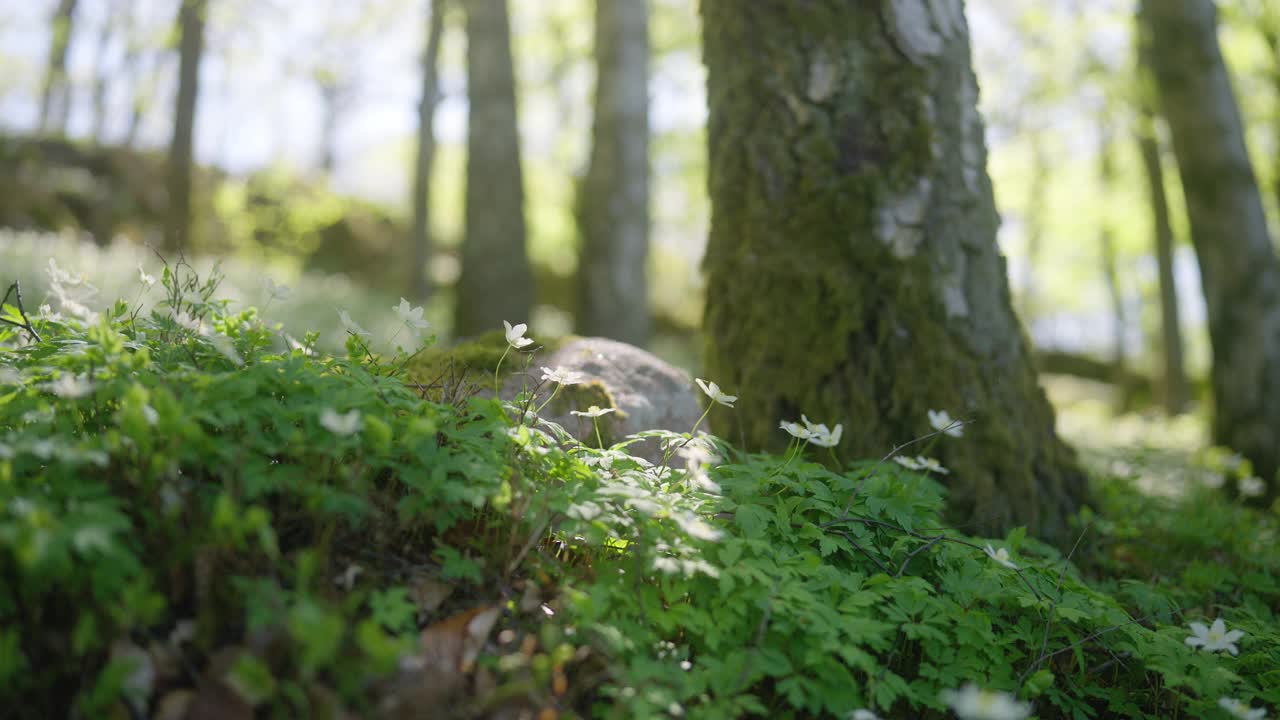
613 199
332 106
1174 385
1269 27
55 99
1238 266
191 17
1037 192
853 272
1110 273
420 238
496 282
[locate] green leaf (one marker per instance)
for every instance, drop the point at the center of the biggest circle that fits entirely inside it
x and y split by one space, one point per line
753 520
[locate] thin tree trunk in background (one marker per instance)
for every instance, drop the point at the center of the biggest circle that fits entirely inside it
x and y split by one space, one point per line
853 272
141 90
1176 395
191 17
134 67
55 98
1271 36
101 78
1037 191
496 282
613 200
1238 266
331 108
420 239
1111 274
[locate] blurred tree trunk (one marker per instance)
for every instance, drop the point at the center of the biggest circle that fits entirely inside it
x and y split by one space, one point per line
1175 393
496 282
55 99
1111 274
332 104
853 272
1268 23
177 224
140 68
141 87
111 27
1238 266
420 239
1037 192
613 199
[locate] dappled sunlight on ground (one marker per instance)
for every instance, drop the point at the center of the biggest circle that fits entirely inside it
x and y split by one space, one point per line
312 302
1161 455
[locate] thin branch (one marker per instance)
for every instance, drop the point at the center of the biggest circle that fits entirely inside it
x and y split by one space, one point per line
1057 591
911 555
16 290
849 505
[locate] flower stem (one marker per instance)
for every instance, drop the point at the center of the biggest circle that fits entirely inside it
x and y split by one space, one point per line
498 367
548 400
705 413
595 421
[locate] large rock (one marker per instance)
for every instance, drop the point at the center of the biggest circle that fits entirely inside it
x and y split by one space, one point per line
649 393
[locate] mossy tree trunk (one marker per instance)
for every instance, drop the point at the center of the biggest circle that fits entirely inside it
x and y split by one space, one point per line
496 282
853 273
177 222
613 200
1238 266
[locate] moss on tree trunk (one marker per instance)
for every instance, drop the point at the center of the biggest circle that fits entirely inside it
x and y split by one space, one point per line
853 273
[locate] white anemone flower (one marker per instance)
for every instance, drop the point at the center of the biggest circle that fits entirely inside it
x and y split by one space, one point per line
515 335
1001 557
274 291
1240 710
189 321
351 325
928 463
1252 486
826 438
942 421
714 392
594 411
561 376
795 429
410 316
973 703
909 463
818 433
70 387
340 424
1215 637
147 280
863 714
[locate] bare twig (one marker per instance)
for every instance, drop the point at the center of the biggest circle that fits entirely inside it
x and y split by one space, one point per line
757 639
1053 606
920 536
907 561
16 290
861 481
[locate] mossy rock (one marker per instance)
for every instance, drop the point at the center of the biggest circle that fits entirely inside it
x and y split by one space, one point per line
645 392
